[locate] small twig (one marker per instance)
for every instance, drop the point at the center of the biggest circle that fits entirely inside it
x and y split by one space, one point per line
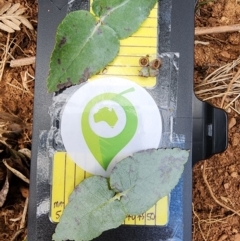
230 86
17 234
25 81
235 109
232 101
16 172
201 42
22 62
211 221
223 83
220 29
15 219
199 220
209 228
5 57
23 220
212 194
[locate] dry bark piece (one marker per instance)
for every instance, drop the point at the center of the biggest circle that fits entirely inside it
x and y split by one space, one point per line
220 29
4 191
232 123
22 62
223 237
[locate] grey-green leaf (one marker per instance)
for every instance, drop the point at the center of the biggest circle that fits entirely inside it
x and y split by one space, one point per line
83 47
124 16
92 209
147 176
137 183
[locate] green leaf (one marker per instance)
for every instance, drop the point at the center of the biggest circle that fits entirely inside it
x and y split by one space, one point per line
83 47
146 177
92 209
138 182
124 16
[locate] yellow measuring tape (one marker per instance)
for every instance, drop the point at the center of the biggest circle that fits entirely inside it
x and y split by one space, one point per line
141 43
66 174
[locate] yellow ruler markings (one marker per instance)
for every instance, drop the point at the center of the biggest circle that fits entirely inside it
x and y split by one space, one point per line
136 52
146 32
151 216
130 220
121 61
134 41
79 175
69 178
161 207
58 186
140 219
66 175
141 43
141 82
150 23
129 72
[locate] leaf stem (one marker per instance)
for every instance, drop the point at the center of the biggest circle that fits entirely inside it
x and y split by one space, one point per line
120 194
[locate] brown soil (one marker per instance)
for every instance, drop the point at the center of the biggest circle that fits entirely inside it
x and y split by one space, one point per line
216 216
216 182
16 91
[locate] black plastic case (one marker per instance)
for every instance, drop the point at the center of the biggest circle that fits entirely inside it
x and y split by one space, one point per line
204 127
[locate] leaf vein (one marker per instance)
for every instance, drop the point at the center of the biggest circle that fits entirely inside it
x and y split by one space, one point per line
113 9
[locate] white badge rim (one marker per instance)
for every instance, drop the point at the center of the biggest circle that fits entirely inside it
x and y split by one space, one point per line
147 136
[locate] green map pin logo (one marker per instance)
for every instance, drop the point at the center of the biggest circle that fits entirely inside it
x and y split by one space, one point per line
105 149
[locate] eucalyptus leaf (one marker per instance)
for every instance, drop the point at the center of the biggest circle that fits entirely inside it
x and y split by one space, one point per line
92 209
83 47
124 16
136 184
146 177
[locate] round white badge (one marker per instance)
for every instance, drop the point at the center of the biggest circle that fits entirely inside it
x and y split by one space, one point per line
106 120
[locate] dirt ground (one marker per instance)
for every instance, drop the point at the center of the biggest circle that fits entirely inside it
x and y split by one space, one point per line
16 103
216 182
